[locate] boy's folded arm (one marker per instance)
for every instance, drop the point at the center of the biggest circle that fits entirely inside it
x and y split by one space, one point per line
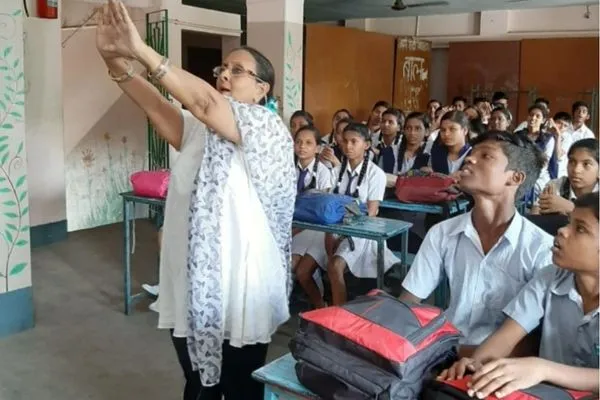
575 378
501 343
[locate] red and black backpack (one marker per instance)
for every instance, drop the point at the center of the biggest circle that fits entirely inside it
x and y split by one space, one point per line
375 347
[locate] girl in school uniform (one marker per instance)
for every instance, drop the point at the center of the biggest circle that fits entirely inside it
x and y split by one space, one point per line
374 121
337 117
538 113
364 180
449 153
299 119
500 120
332 155
582 178
311 174
386 151
411 154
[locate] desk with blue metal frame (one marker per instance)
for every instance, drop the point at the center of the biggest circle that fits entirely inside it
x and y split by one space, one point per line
281 382
372 228
129 202
454 207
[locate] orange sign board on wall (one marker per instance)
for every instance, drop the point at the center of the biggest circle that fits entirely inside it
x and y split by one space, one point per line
411 75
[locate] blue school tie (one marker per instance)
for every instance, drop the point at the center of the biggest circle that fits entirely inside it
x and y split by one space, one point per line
387 154
351 177
301 180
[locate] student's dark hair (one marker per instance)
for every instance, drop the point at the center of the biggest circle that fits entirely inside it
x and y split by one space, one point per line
344 110
539 106
361 129
424 118
578 104
381 103
504 111
303 114
312 129
399 114
479 99
522 153
264 68
563 116
459 98
434 101
475 109
590 145
588 201
476 126
542 100
499 96
341 121
458 117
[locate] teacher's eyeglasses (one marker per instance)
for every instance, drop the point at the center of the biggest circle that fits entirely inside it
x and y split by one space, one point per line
236 71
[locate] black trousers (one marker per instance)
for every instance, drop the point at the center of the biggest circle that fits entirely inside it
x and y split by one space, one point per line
236 373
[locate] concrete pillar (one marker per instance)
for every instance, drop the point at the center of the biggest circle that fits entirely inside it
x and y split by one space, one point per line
276 28
16 301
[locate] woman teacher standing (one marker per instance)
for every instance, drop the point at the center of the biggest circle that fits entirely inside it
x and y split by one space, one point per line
241 208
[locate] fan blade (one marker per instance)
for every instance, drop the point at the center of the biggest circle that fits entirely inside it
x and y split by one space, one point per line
429 4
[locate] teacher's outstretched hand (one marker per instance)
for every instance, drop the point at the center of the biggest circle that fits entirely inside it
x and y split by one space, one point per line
116 35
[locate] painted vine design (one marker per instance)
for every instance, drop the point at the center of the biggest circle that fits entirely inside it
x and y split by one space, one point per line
293 87
12 164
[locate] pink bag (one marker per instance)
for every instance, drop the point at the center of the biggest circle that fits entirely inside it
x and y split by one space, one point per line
153 184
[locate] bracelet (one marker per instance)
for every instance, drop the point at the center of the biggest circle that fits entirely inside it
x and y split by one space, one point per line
160 71
123 78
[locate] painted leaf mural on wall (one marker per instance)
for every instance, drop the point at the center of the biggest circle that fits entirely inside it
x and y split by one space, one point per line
14 209
293 75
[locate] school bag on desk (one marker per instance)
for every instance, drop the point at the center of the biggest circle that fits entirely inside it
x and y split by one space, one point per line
425 187
374 347
325 208
457 390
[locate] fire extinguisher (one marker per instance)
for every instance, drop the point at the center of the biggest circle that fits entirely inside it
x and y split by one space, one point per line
47 9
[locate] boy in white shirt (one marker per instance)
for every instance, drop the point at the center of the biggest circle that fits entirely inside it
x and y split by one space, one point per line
581 114
490 253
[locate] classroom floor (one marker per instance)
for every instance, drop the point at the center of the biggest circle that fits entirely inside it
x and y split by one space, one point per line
83 346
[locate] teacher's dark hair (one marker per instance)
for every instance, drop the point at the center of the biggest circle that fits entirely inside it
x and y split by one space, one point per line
264 68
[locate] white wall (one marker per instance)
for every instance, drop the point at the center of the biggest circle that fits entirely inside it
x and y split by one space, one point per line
44 128
489 25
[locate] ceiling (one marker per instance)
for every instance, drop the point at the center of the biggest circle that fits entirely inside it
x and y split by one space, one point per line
332 10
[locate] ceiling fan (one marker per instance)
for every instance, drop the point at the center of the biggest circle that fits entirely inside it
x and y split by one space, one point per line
399 5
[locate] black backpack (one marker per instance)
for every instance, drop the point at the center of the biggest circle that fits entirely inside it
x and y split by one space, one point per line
375 347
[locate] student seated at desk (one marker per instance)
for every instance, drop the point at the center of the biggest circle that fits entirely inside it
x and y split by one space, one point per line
332 155
563 299
390 137
490 253
357 177
582 177
452 145
311 174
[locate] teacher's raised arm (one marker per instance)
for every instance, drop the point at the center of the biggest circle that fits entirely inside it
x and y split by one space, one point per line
119 42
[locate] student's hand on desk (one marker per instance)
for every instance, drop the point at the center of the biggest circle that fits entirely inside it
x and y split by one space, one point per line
459 369
553 203
426 169
505 376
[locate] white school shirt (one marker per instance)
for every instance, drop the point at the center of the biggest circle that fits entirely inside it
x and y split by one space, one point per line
431 140
557 185
566 140
582 133
481 285
372 186
172 302
522 125
323 178
375 138
551 299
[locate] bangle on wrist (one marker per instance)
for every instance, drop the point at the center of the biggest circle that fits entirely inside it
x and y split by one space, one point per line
124 77
160 71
